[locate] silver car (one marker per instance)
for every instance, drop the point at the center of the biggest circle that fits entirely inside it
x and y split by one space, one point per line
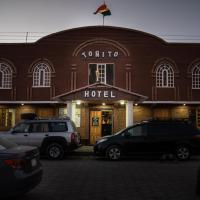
54 137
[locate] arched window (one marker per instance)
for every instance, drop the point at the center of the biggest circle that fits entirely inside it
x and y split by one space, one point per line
5 76
164 75
41 75
196 76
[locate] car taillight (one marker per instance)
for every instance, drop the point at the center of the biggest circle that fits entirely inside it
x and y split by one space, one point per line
73 137
197 137
15 163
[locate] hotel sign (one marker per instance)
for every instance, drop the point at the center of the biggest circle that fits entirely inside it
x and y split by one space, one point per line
99 54
99 94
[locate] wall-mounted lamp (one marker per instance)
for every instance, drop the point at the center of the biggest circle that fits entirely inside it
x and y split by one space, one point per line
122 102
78 102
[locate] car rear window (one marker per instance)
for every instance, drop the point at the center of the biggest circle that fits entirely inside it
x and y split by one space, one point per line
6 144
58 126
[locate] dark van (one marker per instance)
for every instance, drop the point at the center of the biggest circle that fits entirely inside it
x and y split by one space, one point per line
176 137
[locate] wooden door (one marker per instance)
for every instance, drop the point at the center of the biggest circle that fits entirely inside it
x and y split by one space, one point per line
95 126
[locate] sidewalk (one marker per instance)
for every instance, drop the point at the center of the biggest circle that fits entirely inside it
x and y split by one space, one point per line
83 150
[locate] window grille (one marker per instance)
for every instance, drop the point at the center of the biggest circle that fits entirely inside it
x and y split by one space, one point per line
5 76
164 76
196 77
198 117
41 75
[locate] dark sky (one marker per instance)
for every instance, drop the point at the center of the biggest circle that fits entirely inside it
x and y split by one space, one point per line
159 17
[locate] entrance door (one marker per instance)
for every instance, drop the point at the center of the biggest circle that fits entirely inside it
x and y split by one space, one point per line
106 122
95 126
100 124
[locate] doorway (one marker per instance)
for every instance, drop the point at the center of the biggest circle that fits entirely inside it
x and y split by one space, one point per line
101 124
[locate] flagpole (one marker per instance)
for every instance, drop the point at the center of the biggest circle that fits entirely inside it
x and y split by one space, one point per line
103 20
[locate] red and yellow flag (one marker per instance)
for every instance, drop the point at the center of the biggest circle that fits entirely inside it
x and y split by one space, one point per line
103 9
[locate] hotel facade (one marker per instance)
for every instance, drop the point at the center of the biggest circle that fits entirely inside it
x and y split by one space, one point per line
105 78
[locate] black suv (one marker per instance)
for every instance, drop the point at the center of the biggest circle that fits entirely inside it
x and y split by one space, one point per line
180 138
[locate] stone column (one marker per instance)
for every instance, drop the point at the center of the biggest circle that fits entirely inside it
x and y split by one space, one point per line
71 109
129 113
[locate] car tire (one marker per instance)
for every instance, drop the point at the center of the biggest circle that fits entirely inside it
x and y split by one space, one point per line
183 152
55 151
113 152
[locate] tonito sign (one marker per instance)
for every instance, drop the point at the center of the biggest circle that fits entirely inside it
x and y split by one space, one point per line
99 54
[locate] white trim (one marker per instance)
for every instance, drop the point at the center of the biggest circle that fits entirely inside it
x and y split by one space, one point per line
30 102
40 86
58 102
170 102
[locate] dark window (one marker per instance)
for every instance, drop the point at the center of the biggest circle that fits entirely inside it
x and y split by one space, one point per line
161 129
41 77
92 73
109 74
58 126
135 131
39 127
170 129
102 73
21 128
1 78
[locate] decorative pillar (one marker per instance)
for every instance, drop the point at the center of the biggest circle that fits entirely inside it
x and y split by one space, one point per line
129 113
71 110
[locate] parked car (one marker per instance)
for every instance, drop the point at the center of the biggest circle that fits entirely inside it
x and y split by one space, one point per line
177 137
53 137
20 168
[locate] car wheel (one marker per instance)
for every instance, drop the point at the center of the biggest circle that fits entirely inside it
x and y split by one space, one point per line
113 153
55 151
183 152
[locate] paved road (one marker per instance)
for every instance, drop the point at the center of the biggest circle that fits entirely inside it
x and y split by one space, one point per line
86 178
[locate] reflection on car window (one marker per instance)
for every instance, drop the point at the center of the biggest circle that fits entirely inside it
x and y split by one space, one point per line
39 127
6 144
135 131
58 126
21 128
2 147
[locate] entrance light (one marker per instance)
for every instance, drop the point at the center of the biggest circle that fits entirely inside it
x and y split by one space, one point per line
122 102
136 104
103 104
78 102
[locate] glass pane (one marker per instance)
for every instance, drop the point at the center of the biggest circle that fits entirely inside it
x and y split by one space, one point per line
92 73
109 74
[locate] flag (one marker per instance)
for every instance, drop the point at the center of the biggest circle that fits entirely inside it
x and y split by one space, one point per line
103 9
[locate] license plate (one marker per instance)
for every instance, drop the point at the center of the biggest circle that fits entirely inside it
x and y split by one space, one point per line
33 162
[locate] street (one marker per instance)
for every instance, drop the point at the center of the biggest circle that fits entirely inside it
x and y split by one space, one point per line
86 177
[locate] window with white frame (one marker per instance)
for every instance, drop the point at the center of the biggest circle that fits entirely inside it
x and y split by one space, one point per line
164 76
196 76
100 72
41 75
5 76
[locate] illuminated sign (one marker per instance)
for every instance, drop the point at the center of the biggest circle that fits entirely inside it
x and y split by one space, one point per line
99 54
99 94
